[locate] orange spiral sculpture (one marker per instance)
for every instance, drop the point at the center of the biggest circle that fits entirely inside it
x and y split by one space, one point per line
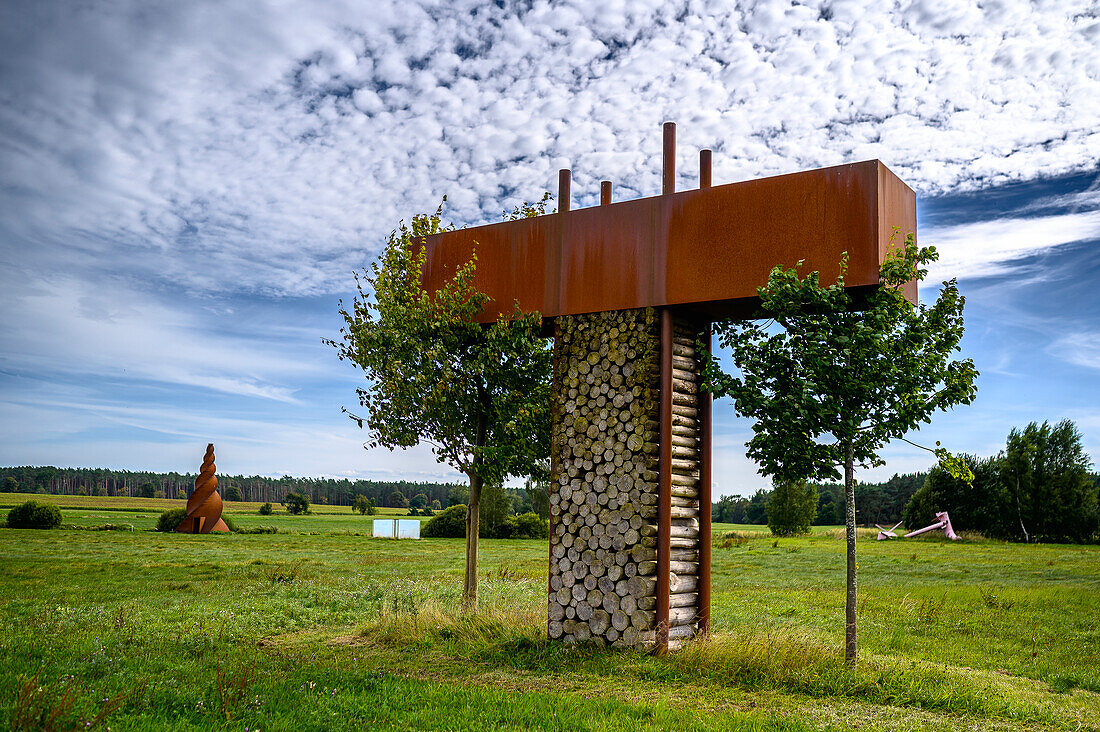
204 505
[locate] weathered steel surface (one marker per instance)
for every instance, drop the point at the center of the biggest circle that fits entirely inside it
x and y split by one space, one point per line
705 250
204 505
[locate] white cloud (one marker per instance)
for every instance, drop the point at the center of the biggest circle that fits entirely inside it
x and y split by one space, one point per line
983 248
1081 349
110 330
269 148
174 438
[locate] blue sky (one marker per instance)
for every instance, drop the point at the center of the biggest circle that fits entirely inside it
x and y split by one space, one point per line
185 189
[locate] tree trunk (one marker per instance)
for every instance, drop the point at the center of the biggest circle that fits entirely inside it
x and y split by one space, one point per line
473 515
473 508
1019 513
850 536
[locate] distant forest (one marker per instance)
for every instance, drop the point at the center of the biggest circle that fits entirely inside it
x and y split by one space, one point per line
104 482
876 503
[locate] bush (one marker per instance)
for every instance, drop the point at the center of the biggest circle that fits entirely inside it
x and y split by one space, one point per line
296 503
364 505
34 515
791 508
525 526
427 512
170 519
531 526
451 524
265 510
230 524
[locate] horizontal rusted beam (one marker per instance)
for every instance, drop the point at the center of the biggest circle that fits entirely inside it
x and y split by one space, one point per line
704 250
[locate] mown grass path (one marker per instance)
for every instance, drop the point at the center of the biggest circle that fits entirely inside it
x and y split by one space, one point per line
337 631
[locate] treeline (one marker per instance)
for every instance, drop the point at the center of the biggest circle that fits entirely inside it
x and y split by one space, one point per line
876 503
1038 488
143 484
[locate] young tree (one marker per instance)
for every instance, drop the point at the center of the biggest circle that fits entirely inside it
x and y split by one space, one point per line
792 506
296 503
364 505
233 493
830 381
420 500
397 499
478 394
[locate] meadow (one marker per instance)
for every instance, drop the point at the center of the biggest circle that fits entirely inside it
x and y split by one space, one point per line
321 627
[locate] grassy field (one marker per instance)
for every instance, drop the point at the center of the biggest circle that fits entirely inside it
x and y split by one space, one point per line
330 630
142 513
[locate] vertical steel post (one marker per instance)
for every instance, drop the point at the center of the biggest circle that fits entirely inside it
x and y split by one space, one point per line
664 474
563 190
605 192
704 493
668 161
554 459
704 168
664 483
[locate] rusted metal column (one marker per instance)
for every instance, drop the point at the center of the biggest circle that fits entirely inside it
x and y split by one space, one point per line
664 483
668 159
704 493
605 192
554 416
704 168
563 190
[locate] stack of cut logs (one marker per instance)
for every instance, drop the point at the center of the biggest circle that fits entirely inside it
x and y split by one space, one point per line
684 536
604 539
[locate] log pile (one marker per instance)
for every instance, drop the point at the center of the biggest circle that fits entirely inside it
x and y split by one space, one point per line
684 539
604 540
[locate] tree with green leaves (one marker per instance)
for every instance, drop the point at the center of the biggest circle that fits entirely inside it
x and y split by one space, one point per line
296 503
1045 472
792 506
364 505
397 499
478 394
233 493
829 380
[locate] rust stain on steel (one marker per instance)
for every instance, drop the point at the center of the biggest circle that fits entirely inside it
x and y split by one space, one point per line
204 505
703 250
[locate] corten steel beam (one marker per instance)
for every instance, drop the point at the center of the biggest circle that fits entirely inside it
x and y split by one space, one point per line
704 250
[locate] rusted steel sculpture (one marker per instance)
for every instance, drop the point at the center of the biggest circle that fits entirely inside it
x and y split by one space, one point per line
204 505
628 290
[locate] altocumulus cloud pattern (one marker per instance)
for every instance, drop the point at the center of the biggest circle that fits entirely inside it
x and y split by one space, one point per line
275 142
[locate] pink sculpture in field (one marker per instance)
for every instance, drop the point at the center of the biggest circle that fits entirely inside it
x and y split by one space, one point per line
943 521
